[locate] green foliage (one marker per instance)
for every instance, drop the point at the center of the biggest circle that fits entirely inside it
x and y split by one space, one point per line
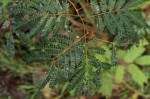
38 27
133 53
132 56
143 60
22 10
136 73
119 74
106 88
71 59
30 91
16 67
22 37
5 2
113 57
115 17
10 45
23 23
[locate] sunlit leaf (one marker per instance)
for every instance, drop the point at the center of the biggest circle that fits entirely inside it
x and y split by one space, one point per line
143 42
133 53
137 75
119 74
106 88
144 60
121 53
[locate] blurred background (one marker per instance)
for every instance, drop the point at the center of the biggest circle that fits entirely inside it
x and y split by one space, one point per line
129 80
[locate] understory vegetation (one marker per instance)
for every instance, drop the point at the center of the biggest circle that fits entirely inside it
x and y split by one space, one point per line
64 49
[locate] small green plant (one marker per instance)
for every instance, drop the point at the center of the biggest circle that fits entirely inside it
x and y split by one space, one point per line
133 69
72 57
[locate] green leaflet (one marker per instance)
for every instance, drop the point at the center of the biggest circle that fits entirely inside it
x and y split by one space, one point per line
90 91
22 10
95 6
100 23
96 63
58 6
65 7
143 60
103 5
49 47
137 73
10 45
76 79
113 57
21 35
97 50
52 7
126 22
38 27
106 66
100 57
111 4
57 41
119 74
106 81
54 79
48 27
31 11
143 42
136 18
129 54
40 57
108 52
122 39
61 23
133 54
44 82
118 25
79 89
118 37
23 23
109 24
71 60
133 3
97 81
116 17
119 4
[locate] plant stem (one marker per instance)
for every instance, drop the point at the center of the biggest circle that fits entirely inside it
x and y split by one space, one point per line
135 91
